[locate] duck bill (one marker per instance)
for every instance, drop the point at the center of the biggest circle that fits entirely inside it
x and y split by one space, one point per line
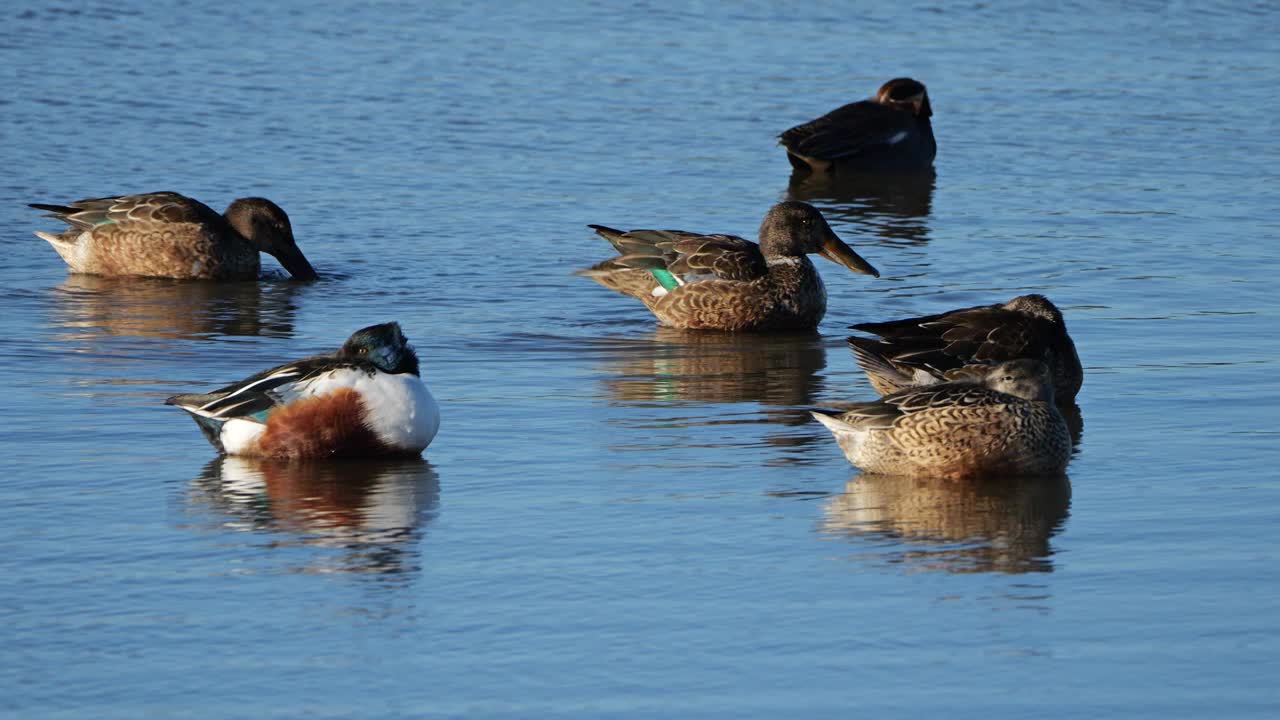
835 250
296 263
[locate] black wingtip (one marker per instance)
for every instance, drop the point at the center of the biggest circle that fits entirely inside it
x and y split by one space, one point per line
61 209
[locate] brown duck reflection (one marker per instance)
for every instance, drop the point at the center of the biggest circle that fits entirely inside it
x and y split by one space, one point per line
992 525
150 307
373 511
781 372
895 207
713 367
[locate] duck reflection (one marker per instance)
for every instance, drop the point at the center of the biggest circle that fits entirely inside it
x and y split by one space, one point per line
892 206
780 372
89 305
712 367
991 525
372 511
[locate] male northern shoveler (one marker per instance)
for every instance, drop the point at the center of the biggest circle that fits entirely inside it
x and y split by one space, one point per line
365 400
723 282
165 234
1005 423
890 131
930 349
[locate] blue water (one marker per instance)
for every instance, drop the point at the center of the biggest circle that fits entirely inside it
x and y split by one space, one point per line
619 520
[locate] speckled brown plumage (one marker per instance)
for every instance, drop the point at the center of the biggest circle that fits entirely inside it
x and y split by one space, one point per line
168 235
891 131
726 282
934 348
1007 424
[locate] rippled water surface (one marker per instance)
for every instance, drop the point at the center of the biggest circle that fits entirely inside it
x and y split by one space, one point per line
621 520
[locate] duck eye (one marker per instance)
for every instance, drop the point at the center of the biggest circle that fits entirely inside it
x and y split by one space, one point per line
364 351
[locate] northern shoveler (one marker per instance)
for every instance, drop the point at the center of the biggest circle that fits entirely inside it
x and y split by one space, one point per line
365 400
723 282
890 131
165 234
930 349
1004 423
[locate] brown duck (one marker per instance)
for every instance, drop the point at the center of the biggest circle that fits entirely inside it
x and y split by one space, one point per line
723 282
1006 423
890 131
931 349
164 234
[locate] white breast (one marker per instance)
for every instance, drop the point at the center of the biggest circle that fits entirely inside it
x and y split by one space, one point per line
399 408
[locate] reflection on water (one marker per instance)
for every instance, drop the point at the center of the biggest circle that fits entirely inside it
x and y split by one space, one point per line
1075 424
371 511
780 373
151 307
891 206
995 525
711 367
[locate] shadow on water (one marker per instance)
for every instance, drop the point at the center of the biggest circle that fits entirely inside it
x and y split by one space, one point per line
990 525
894 207
371 512
88 305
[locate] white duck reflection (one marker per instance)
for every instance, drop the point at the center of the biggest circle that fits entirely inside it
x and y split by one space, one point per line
373 511
990 525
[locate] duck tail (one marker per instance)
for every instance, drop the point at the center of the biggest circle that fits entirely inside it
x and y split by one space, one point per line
881 373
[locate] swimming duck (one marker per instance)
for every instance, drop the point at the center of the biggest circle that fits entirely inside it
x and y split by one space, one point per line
723 282
1004 422
930 349
365 400
890 131
164 234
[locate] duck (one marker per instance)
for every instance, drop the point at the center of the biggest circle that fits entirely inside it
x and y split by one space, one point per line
1003 422
926 350
693 281
365 400
168 235
888 132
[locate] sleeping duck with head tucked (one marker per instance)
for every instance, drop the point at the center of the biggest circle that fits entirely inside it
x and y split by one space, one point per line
694 281
993 420
365 400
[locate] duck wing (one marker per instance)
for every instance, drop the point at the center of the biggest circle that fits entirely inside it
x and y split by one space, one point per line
855 129
151 208
688 255
951 340
255 397
957 399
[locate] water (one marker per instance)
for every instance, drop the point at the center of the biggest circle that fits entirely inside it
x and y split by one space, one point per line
616 519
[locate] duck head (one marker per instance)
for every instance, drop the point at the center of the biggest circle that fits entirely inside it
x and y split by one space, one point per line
793 228
1027 379
907 95
383 345
267 228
